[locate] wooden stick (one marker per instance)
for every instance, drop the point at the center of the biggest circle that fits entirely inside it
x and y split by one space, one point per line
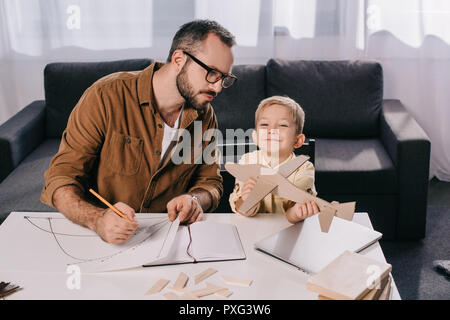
210 289
181 281
158 286
236 281
170 296
205 274
5 293
224 293
109 205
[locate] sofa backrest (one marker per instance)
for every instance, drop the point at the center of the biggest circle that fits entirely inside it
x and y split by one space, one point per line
65 83
341 99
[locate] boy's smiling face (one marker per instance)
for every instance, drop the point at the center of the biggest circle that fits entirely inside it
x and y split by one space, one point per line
276 132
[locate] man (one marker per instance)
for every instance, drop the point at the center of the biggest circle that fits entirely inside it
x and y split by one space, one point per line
118 138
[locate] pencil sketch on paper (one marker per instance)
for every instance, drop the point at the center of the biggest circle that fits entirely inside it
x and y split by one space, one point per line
47 224
50 241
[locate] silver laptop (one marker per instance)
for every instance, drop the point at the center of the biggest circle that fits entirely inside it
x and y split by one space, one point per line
305 246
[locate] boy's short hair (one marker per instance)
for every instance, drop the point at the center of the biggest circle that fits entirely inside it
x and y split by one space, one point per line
297 112
191 34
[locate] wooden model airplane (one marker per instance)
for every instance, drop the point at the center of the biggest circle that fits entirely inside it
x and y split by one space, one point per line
275 181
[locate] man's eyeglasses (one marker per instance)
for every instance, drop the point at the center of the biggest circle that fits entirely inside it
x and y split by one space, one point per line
214 75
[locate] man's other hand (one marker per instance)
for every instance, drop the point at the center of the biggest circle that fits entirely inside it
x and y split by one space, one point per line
186 208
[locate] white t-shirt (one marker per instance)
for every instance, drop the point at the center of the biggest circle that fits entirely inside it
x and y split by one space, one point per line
170 134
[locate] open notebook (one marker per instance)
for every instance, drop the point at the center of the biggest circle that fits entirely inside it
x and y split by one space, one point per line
305 246
204 241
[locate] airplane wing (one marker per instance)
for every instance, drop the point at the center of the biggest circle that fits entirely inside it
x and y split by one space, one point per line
327 211
345 210
243 172
262 189
289 167
288 191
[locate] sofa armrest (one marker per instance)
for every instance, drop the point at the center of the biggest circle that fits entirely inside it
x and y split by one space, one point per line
409 148
20 135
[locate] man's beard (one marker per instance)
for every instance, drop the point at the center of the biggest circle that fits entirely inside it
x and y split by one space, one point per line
187 92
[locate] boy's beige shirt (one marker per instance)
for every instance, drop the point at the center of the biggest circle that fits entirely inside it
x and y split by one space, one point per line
303 178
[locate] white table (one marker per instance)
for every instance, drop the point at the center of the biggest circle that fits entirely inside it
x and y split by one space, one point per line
272 278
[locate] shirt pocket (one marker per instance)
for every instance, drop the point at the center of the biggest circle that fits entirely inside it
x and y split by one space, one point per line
124 154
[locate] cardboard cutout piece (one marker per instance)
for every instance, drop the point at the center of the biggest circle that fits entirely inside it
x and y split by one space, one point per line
276 182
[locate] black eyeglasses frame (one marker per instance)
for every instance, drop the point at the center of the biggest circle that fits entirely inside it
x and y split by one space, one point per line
209 70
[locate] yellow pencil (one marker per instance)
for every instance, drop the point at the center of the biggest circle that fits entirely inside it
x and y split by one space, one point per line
109 204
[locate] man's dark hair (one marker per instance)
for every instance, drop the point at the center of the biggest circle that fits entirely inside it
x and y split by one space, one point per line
190 34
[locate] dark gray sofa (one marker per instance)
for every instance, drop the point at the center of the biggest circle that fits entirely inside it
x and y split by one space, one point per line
366 149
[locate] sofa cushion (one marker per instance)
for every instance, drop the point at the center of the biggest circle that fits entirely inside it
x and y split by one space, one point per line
65 83
354 167
235 106
21 190
341 99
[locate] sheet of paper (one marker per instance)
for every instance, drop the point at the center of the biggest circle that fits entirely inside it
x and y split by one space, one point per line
215 240
177 253
48 242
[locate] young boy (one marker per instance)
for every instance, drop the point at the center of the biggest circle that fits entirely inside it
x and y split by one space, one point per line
279 123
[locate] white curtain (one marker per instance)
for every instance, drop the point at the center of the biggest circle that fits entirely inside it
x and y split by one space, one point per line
36 32
410 38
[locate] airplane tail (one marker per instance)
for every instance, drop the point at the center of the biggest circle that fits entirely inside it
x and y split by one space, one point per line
344 210
326 215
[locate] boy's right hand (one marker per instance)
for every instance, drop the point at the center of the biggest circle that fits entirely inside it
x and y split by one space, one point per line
247 188
301 211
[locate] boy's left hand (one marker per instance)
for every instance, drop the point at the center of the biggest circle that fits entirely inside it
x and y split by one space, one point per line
301 211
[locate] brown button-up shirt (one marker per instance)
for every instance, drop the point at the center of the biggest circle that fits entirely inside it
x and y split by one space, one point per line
112 143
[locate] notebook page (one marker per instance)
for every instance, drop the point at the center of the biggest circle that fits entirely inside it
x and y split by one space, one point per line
211 240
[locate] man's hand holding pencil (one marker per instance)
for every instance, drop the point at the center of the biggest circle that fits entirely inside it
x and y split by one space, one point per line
115 229
117 223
